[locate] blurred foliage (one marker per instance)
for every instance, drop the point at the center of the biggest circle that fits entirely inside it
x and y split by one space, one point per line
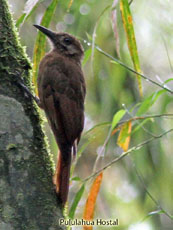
137 189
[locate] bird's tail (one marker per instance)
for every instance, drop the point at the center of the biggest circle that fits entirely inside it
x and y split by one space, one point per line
62 176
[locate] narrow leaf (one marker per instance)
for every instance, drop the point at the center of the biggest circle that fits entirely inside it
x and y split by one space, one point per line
115 25
117 117
87 56
76 201
155 212
129 30
94 32
89 37
79 153
40 44
91 135
102 124
20 20
140 125
124 136
148 102
115 130
69 5
168 80
132 70
76 178
91 201
30 6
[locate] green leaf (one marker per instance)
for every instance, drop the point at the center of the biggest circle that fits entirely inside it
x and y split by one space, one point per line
89 36
168 80
155 212
148 102
140 125
76 178
116 24
79 153
76 201
131 69
131 40
94 31
20 20
114 62
117 117
124 133
40 44
87 56
30 6
69 5
97 126
90 135
124 136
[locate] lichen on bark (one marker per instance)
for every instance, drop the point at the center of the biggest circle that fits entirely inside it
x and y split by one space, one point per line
27 196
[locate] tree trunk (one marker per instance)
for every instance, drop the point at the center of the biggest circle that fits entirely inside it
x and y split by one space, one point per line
27 196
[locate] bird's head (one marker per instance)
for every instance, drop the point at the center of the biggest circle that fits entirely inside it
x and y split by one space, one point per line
64 43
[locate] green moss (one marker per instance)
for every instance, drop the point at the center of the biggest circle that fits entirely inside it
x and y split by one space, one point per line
8 212
15 54
36 190
11 146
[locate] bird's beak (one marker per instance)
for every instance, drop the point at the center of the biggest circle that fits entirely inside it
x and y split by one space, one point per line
50 34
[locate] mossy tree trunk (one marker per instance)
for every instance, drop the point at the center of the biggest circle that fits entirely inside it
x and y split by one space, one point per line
27 196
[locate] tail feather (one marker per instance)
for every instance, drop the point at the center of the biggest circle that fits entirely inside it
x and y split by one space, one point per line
74 148
62 175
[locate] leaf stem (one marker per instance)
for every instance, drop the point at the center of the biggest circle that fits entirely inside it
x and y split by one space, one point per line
135 148
130 69
150 195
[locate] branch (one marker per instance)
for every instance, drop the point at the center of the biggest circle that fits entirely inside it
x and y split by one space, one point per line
146 130
150 195
130 2
129 68
131 119
135 148
145 117
119 125
132 70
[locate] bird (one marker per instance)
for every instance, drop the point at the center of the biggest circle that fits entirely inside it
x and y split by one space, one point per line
61 92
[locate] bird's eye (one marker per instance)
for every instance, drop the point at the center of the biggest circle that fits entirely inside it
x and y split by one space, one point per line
67 41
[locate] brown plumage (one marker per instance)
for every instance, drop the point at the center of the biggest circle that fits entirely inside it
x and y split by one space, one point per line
61 89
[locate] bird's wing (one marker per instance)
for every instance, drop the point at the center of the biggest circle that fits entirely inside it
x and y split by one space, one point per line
63 98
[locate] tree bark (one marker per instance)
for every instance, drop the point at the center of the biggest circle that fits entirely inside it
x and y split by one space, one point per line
27 195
